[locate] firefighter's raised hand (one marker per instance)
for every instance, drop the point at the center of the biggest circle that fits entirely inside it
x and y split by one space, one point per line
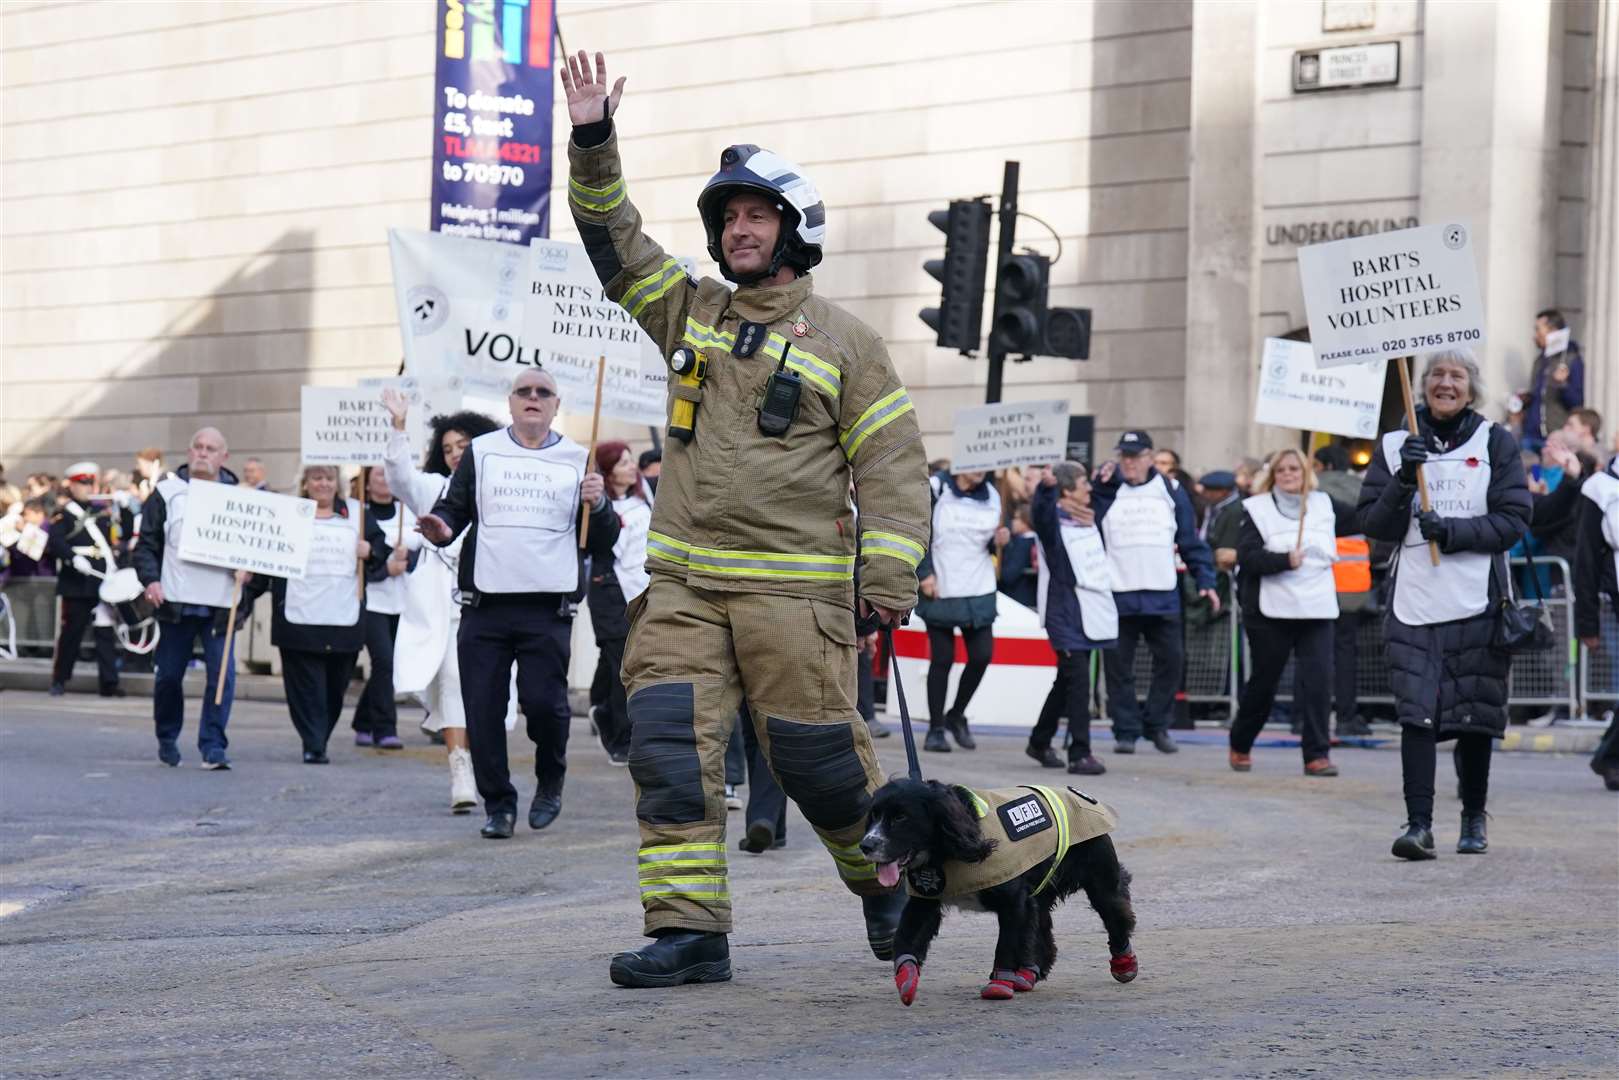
589 100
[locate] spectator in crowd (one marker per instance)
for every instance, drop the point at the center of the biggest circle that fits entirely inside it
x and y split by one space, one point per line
1352 579
148 471
1216 491
958 586
1168 464
426 661
521 570
617 578
253 474
1146 519
316 619
1076 608
1245 474
1019 574
938 465
1582 431
43 486
1556 383
1596 575
193 603
651 467
83 538
1221 521
1446 670
1285 554
1554 524
390 529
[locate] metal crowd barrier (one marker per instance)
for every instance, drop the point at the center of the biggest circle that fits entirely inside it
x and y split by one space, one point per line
1549 678
1210 671
1599 671
35 612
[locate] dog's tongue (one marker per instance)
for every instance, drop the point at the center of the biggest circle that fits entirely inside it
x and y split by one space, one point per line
888 874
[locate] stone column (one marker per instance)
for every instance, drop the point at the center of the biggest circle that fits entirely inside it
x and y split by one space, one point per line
1601 332
1222 271
1491 109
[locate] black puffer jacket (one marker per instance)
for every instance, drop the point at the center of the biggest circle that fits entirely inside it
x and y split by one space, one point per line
1448 676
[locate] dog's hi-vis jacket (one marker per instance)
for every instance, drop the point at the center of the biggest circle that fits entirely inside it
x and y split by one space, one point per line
1029 825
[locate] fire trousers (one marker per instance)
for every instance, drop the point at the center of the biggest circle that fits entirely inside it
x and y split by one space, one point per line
692 657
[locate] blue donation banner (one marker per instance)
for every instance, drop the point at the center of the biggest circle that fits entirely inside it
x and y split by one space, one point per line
492 136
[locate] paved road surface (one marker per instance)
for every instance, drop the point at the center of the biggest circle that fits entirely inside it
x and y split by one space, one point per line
289 920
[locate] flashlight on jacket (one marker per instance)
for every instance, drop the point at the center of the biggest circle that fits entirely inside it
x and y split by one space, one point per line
689 367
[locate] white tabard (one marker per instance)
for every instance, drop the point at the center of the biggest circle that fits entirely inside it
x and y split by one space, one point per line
1140 531
528 509
629 550
963 530
387 596
1458 486
1308 592
1603 489
326 595
187 582
1094 581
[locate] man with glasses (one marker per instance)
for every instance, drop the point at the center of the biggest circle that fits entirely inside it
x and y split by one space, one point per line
518 492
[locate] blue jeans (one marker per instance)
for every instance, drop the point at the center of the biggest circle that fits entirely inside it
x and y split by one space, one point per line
173 654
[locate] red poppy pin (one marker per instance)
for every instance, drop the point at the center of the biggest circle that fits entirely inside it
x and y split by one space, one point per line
1472 463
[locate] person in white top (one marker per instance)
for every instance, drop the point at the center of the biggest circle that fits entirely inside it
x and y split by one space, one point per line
1596 574
958 584
1446 667
1289 604
425 660
617 578
316 618
388 528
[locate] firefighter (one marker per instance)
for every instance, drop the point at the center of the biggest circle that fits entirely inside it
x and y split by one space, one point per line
778 399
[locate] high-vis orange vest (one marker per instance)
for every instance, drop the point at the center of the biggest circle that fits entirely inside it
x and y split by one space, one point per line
1352 573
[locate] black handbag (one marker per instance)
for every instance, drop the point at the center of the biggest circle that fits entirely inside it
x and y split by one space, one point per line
1524 628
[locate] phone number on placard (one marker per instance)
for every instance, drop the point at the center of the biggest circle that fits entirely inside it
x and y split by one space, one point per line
1429 341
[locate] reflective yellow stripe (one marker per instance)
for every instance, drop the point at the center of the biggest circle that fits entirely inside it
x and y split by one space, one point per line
794 363
851 862
812 367
600 199
894 546
667 548
651 287
979 805
769 564
1059 810
883 411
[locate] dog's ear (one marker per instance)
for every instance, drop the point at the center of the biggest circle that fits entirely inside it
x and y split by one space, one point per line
958 829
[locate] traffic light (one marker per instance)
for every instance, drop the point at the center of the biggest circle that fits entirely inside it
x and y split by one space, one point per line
1023 322
958 320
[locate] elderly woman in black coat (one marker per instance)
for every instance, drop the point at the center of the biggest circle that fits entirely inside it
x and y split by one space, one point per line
1447 671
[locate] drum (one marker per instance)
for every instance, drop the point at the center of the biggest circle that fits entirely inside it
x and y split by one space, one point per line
137 627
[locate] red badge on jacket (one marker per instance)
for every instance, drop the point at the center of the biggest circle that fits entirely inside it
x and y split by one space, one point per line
1472 463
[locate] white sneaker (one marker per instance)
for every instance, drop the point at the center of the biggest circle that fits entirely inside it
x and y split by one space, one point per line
733 801
463 791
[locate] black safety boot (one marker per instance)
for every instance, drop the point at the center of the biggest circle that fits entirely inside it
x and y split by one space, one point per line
499 826
1416 843
882 921
936 741
957 724
1045 755
1472 840
1164 742
674 957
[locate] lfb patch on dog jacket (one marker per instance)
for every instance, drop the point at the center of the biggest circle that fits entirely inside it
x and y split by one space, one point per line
1029 825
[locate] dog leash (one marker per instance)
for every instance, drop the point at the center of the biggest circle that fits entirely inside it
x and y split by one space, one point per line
911 761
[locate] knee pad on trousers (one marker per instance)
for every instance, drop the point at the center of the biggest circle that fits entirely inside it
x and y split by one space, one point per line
819 770
663 755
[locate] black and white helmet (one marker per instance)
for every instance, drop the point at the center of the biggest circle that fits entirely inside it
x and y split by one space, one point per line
803 225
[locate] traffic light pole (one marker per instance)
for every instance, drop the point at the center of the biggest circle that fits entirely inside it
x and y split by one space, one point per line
1008 212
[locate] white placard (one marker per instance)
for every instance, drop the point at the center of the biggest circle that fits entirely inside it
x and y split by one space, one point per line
1557 342
574 324
460 303
1392 294
1010 433
241 528
343 425
427 397
1294 393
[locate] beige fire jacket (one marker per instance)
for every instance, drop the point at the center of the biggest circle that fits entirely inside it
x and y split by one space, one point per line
737 509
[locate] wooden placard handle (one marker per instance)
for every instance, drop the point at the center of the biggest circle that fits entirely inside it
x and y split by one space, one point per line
590 456
1411 426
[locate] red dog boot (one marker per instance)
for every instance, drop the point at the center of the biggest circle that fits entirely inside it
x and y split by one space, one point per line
1000 986
1023 979
1123 966
906 977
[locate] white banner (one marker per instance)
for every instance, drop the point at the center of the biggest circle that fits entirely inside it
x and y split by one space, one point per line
1392 294
1294 393
1010 433
343 425
460 303
240 528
